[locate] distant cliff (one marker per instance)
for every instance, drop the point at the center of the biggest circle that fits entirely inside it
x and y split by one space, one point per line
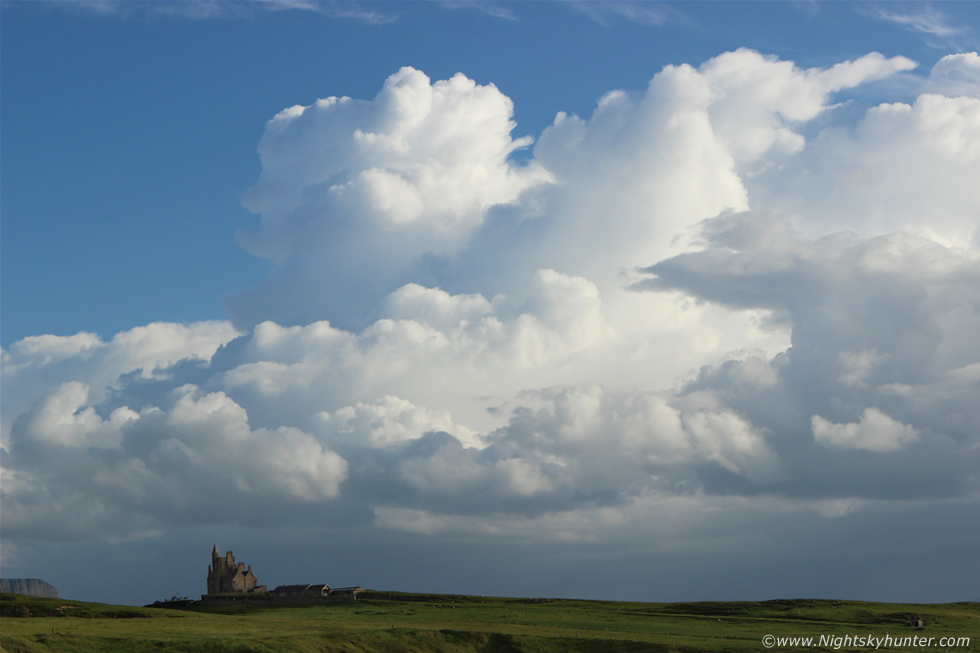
29 586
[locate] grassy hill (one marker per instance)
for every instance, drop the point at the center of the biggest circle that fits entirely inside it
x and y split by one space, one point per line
392 622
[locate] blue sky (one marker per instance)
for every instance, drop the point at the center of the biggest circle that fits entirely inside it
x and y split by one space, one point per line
730 269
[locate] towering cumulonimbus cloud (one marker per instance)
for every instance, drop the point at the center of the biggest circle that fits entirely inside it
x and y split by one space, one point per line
353 193
700 296
358 197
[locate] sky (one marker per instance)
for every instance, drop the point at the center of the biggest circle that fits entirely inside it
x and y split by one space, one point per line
609 300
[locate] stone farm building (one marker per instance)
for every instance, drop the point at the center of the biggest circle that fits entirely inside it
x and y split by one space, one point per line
302 591
315 591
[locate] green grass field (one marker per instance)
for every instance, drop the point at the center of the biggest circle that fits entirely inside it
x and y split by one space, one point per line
401 623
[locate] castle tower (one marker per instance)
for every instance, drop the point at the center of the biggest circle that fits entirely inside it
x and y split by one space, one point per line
225 576
214 572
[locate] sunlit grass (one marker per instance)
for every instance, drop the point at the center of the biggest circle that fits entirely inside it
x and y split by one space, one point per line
394 622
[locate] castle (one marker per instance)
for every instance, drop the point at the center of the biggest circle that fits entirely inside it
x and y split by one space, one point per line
225 576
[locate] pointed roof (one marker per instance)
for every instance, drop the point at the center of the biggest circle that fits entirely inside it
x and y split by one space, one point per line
214 551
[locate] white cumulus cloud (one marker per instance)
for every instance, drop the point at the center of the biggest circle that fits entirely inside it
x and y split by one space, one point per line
79 475
875 431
